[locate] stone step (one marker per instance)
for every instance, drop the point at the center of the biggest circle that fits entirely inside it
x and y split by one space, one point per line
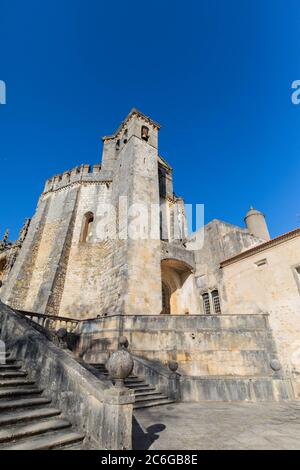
4 367
135 385
53 441
7 354
25 423
159 396
147 393
15 417
15 382
150 403
19 391
10 360
104 372
12 374
141 388
33 429
23 402
134 381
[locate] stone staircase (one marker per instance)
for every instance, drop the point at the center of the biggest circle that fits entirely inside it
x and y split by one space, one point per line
27 420
146 395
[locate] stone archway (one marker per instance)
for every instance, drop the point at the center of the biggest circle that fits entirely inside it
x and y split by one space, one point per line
174 274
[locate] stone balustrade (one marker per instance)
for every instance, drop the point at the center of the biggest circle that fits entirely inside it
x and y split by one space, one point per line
51 322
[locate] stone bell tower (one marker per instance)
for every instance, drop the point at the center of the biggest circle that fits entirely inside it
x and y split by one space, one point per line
132 155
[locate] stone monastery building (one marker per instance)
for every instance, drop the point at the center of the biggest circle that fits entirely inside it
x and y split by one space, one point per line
224 302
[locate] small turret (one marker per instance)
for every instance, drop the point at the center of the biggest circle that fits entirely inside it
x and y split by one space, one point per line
256 224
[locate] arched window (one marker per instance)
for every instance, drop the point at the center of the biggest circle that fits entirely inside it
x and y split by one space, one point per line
87 225
206 303
216 301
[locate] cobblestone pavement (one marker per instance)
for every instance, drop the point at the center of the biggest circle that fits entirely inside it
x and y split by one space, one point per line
196 426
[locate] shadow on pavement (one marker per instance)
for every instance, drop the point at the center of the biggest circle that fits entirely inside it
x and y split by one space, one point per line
143 440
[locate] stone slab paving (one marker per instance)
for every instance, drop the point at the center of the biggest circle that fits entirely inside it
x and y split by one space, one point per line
218 426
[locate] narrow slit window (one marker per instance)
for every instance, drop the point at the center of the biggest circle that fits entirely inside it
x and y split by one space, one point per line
261 262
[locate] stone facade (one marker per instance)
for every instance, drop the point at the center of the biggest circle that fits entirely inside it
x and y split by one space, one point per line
267 279
221 241
109 246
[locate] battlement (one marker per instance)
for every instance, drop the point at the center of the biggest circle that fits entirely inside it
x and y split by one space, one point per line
88 173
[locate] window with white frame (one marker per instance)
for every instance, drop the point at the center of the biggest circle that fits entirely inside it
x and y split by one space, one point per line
216 301
211 302
206 303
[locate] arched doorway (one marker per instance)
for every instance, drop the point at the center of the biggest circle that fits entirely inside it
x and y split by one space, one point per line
174 274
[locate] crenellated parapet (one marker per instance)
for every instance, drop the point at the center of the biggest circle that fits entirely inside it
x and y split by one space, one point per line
80 174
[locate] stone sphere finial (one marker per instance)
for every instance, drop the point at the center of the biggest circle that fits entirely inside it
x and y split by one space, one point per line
275 365
119 366
123 342
173 366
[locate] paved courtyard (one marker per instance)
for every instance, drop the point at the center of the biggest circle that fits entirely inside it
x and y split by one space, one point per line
196 426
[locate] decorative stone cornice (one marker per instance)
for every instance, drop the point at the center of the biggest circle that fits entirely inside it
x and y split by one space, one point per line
262 247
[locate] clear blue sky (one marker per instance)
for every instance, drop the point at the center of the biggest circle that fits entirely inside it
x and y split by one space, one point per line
215 73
